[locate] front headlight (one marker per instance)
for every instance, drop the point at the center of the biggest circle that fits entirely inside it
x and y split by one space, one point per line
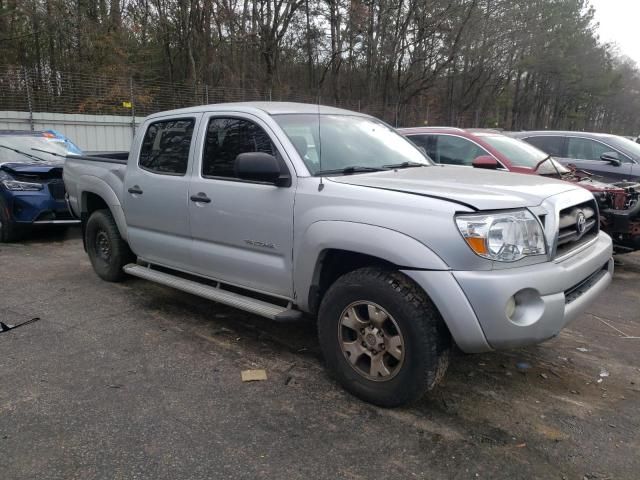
16 186
503 236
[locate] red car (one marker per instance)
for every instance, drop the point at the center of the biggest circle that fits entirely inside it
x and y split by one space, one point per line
619 203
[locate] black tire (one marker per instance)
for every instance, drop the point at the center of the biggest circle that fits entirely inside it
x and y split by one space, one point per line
9 231
426 339
107 250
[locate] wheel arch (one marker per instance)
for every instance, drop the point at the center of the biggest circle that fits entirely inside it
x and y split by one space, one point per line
99 195
330 249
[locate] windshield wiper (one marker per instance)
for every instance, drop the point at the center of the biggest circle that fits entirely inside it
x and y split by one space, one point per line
349 170
405 165
29 155
48 152
553 163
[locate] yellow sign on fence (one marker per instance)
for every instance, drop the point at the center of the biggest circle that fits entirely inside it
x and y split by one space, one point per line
126 104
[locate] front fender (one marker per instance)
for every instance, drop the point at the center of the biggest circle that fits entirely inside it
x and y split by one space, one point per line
97 186
379 242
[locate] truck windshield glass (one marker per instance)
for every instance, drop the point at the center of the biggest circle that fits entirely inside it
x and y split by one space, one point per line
521 154
339 142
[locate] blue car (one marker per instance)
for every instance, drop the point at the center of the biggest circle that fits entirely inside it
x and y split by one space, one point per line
32 192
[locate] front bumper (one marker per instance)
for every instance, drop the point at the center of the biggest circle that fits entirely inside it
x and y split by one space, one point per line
547 297
38 208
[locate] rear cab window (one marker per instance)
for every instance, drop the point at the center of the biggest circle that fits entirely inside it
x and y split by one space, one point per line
165 146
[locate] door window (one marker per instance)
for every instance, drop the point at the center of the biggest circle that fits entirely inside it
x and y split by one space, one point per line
585 149
428 142
454 150
226 139
550 145
165 147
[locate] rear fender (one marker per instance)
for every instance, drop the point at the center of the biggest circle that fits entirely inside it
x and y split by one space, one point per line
97 186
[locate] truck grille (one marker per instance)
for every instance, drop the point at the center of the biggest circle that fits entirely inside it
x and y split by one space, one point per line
56 188
577 225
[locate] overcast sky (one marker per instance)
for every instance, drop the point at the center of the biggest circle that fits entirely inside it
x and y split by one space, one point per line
620 23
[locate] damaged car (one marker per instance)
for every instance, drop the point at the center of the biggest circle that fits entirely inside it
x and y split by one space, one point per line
32 192
618 202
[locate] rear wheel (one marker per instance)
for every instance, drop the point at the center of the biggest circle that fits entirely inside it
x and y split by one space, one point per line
382 337
9 231
107 250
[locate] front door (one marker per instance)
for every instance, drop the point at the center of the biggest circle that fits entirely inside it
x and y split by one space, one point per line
585 154
156 194
242 231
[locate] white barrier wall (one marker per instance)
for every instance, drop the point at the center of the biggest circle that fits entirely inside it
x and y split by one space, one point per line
89 132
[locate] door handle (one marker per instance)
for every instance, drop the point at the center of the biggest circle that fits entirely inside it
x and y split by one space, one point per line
200 198
135 190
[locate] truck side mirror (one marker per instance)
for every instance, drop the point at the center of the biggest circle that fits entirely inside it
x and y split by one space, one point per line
486 162
612 157
260 167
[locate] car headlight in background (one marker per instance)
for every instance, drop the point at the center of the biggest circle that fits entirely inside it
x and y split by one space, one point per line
16 186
503 236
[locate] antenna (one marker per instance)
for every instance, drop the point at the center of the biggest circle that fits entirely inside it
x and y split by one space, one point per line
321 184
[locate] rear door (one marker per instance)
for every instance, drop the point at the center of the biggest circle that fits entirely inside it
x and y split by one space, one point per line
156 188
242 230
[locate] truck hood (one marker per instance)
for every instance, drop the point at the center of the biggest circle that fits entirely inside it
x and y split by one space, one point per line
472 187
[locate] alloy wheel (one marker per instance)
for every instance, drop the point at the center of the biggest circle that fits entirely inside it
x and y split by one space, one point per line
371 341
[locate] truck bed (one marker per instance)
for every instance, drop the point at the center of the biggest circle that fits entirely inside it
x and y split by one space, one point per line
105 157
98 174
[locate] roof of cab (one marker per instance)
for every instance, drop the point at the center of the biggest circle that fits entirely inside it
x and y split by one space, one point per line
271 108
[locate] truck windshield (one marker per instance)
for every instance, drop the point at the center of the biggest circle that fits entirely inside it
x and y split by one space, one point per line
522 154
348 143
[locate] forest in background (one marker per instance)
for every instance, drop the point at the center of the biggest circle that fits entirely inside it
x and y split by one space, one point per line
513 64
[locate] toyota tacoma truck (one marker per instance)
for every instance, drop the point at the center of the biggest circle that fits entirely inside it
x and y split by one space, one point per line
289 210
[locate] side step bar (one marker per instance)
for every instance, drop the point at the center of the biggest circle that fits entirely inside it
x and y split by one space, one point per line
248 304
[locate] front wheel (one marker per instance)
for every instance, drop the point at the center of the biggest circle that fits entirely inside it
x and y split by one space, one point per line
382 337
107 250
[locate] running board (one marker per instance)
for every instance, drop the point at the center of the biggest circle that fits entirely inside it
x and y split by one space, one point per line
248 304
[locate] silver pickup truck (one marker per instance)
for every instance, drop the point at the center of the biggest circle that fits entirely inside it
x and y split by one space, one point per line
285 209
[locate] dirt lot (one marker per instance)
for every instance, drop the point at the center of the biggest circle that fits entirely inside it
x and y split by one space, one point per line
134 380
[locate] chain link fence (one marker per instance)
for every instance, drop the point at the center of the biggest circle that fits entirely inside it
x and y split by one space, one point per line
31 91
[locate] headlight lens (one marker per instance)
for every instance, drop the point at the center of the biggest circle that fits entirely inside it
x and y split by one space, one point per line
503 236
16 186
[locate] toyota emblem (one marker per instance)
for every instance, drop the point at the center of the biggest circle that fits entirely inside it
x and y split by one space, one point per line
581 223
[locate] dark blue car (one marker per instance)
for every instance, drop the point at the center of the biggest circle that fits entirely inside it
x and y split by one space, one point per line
31 188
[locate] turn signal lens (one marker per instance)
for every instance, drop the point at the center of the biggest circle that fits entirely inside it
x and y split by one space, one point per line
478 245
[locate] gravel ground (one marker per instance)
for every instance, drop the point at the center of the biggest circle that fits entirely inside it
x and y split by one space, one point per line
134 380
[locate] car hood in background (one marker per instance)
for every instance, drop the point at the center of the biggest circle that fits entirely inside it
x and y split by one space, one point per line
477 188
36 170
